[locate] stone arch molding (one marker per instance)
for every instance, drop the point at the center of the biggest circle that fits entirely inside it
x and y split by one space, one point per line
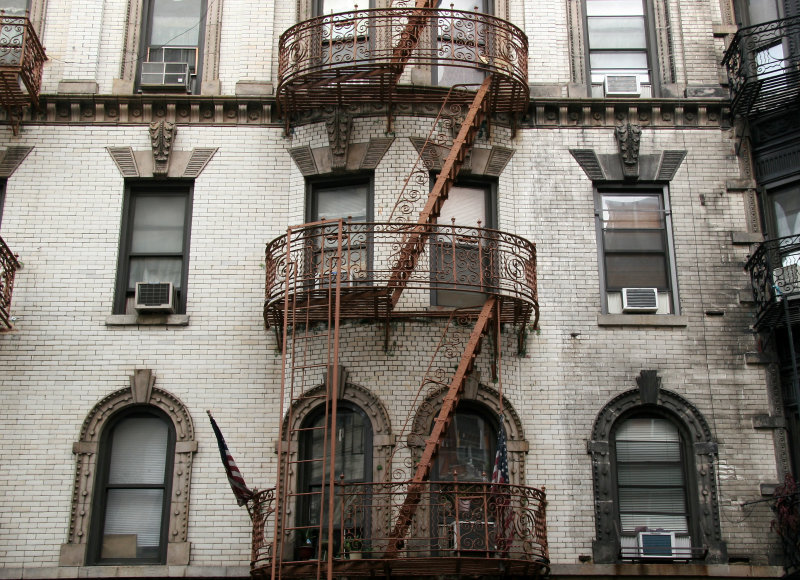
142 391
488 397
649 395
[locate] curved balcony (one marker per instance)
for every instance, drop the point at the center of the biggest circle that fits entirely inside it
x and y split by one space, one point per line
762 70
775 280
359 56
8 268
21 60
458 528
462 265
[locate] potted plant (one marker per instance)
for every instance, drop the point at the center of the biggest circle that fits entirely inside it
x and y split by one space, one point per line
353 545
305 551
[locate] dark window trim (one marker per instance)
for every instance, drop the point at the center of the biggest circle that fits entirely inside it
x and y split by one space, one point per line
95 542
151 187
315 183
3 184
767 207
689 474
144 45
622 188
651 48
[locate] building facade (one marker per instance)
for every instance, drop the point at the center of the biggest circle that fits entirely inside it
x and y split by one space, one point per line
391 248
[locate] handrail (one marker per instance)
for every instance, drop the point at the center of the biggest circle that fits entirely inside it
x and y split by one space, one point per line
8 268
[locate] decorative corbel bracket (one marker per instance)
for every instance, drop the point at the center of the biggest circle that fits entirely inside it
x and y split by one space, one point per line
628 137
161 136
339 126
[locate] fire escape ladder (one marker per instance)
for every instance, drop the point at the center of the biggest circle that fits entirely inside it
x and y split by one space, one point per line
409 37
415 242
302 371
415 486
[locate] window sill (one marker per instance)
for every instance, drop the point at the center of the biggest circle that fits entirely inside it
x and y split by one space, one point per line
144 571
665 320
148 320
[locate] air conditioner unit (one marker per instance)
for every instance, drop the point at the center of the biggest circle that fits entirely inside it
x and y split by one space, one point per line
165 74
154 297
656 544
473 536
622 86
639 300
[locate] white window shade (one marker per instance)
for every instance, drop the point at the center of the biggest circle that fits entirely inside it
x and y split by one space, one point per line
139 450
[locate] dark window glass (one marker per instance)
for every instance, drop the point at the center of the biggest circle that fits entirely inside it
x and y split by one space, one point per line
155 241
133 495
173 40
468 448
634 239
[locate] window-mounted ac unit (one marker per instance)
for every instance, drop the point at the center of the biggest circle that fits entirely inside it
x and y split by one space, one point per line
622 86
656 544
154 297
639 300
165 74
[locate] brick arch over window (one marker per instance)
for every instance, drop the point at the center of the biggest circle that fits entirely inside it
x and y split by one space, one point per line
482 396
649 398
143 393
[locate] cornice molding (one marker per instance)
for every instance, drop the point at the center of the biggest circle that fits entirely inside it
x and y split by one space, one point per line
261 110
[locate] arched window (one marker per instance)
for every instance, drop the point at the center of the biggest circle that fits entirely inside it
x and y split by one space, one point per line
353 436
468 449
655 489
650 462
133 489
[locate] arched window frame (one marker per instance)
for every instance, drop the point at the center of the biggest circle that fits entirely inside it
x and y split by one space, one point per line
141 393
383 440
701 451
100 500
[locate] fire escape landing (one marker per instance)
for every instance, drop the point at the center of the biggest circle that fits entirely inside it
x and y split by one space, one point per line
8 268
322 273
21 61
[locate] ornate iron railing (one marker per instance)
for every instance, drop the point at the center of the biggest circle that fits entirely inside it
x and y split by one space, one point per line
764 67
454 259
491 525
357 57
8 268
22 56
774 277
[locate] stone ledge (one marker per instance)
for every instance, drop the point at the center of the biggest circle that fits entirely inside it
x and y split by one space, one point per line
48 573
148 320
768 422
758 358
565 571
746 238
665 320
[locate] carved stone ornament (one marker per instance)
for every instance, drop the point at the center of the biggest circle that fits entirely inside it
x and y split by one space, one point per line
161 136
628 138
141 392
339 126
702 486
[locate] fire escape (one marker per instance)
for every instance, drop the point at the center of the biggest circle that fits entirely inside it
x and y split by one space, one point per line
21 62
321 274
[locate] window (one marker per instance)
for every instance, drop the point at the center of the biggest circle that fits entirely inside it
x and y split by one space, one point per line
349 200
651 482
2 198
15 7
132 492
459 37
619 60
468 448
154 242
635 240
462 256
353 434
171 50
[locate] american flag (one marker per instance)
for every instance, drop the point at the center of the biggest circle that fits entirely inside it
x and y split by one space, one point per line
501 496
239 487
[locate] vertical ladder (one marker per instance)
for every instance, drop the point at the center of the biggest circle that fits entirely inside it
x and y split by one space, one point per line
301 370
